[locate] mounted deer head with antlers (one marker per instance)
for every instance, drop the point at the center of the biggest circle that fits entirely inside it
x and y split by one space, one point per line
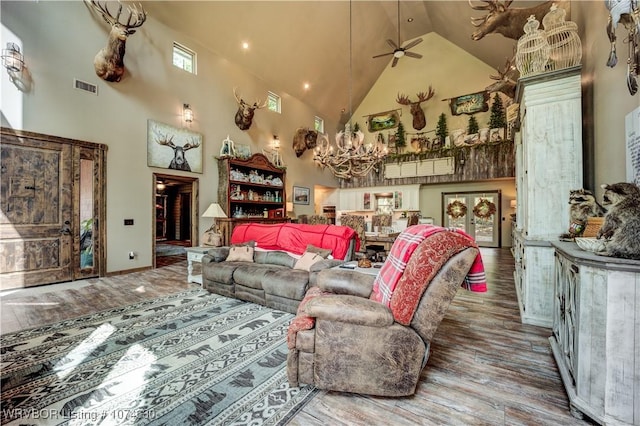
419 120
508 22
109 62
244 116
179 161
506 79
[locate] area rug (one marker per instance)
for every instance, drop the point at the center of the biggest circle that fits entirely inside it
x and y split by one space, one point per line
191 358
169 249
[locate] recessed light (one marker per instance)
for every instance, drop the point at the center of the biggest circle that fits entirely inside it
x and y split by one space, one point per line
409 19
245 45
306 86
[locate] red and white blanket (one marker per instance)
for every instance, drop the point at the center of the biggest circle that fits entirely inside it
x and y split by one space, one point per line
403 248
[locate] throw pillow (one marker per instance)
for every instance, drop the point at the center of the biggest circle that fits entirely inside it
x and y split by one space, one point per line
319 250
307 259
240 254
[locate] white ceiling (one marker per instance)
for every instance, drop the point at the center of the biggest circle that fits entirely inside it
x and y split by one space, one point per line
293 42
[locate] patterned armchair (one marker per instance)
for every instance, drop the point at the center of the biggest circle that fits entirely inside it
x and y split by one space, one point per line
356 332
355 222
317 219
380 220
413 219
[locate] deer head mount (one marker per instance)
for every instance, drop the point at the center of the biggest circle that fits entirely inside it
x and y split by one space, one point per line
419 120
304 139
508 22
179 161
109 62
506 79
244 116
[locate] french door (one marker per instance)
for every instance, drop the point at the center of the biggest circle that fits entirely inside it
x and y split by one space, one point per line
476 213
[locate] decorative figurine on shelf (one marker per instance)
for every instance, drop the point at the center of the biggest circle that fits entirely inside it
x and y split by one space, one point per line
583 205
621 226
228 148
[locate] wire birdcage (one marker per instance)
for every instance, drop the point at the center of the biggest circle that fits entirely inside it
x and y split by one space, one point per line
563 39
532 50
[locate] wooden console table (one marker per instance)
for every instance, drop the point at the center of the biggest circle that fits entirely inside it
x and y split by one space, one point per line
596 334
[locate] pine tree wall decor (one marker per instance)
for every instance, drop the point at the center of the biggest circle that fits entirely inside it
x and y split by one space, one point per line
472 127
497 120
441 128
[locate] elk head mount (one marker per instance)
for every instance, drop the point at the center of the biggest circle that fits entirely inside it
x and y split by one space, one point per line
508 22
179 161
506 79
109 62
244 116
419 120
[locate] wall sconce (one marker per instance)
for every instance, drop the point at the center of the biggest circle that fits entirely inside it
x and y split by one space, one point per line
12 59
275 142
187 113
513 204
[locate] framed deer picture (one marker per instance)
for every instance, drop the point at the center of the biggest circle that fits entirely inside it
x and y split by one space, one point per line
170 147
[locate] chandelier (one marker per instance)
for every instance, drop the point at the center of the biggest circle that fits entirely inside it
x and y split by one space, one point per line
349 156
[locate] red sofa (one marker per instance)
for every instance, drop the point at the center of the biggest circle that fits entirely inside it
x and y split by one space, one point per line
293 237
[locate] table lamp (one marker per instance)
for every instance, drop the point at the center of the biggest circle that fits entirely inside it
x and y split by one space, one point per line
212 236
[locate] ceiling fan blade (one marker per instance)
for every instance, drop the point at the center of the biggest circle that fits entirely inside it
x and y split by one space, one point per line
392 44
413 43
383 54
395 61
413 55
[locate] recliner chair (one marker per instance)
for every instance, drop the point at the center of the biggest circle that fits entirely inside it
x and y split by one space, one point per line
343 339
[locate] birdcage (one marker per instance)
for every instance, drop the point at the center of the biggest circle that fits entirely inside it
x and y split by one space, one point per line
563 39
532 50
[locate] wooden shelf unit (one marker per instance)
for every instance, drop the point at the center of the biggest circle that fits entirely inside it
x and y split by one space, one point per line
246 191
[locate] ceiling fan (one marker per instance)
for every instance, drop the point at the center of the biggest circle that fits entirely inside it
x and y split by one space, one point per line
398 50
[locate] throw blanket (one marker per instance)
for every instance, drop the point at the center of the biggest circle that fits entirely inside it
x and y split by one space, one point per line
295 237
403 248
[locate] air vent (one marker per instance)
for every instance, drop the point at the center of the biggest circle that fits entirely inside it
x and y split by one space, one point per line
87 87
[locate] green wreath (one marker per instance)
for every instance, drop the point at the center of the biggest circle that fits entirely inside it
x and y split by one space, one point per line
484 209
456 209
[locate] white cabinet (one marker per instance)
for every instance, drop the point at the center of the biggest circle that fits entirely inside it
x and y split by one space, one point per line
548 167
596 334
406 197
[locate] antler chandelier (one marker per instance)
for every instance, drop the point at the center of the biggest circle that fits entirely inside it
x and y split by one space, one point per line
349 157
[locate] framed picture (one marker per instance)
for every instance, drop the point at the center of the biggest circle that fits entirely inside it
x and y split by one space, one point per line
170 147
470 104
300 195
383 120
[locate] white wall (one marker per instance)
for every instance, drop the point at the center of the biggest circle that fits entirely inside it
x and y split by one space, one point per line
59 41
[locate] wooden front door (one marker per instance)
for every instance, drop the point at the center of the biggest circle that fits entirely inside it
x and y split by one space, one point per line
35 212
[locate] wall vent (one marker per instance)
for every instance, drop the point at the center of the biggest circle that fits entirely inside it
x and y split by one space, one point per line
87 87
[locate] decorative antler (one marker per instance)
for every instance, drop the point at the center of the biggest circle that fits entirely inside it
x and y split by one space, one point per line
140 15
162 140
235 95
193 143
422 96
403 99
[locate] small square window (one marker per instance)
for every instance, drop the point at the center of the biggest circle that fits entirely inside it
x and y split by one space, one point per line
274 102
319 124
184 58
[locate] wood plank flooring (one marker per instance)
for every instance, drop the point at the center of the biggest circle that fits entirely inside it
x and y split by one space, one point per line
486 367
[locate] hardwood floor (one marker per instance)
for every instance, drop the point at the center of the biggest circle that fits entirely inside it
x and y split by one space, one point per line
486 367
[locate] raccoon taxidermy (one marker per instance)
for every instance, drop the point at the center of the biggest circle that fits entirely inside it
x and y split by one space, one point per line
583 206
621 225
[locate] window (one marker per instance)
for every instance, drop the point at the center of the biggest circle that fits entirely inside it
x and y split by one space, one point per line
274 102
184 58
319 124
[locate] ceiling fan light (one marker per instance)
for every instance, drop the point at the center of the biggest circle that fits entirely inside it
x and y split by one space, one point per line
398 54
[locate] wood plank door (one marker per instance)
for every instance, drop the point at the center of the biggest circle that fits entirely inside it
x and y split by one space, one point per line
35 212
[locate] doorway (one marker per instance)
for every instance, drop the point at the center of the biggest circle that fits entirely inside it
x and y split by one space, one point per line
175 217
476 213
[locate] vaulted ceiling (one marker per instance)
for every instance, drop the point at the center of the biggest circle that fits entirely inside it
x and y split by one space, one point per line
328 44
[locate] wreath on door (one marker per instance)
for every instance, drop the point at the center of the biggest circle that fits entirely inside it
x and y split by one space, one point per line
484 209
456 209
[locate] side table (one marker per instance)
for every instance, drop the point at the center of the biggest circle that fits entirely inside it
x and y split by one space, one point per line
195 254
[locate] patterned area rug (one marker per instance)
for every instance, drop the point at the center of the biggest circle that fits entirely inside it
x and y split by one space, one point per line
191 358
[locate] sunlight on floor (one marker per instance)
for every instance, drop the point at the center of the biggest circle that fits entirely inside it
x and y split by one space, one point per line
31 303
66 365
141 289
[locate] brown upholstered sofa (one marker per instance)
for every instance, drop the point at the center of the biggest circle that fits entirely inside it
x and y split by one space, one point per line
343 339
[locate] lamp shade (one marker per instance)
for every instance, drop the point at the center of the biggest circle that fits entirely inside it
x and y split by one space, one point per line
289 205
214 210
512 204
